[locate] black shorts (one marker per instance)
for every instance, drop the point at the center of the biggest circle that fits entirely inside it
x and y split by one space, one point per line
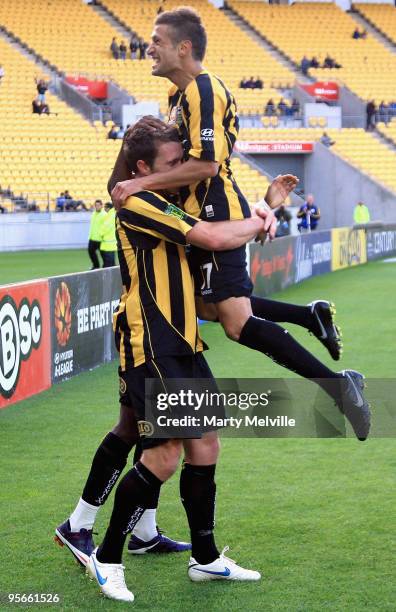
220 275
133 387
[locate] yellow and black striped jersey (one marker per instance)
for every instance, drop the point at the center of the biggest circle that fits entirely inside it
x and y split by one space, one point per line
156 316
206 116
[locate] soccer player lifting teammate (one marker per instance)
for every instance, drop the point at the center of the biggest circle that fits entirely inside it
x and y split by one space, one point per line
204 111
157 335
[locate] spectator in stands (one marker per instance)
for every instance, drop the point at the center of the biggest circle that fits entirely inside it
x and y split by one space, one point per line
315 62
72 204
42 87
305 65
2 209
108 244
114 48
40 108
270 110
2 73
284 217
295 108
371 109
329 62
326 140
258 84
250 83
361 213
95 233
123 50
133 46
142 49
383 112
357 34
113 134
282 107
60 202
309 214
243 83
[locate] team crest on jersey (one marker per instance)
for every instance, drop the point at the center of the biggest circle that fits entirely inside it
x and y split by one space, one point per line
176 116
145 428
123 386
174 211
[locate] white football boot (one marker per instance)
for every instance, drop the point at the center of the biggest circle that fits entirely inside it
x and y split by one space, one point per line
222 568
110 577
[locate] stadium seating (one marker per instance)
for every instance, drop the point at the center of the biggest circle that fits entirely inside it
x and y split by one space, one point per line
47 154
252 183
368 68
356 146
388 130
231 53
54 31
382 16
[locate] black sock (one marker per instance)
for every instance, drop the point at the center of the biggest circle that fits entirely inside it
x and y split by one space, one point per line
276 342
281 311
137 491
107 465
138 451
198 494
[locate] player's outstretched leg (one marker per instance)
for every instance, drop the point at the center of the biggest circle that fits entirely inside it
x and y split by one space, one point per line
317 317
275 342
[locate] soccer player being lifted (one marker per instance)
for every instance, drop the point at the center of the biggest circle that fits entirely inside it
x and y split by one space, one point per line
204 112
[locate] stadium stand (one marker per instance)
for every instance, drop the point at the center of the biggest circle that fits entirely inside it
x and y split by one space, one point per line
368 68
381 16
231 52
47 153
77 40
359 148
388 130
253 184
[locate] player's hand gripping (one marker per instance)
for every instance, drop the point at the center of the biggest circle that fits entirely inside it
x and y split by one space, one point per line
123 190
270 222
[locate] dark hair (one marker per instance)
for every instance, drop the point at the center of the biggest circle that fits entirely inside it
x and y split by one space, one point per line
142 140
185 24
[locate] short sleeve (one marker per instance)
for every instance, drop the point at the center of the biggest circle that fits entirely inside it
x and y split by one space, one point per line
149 213
206 107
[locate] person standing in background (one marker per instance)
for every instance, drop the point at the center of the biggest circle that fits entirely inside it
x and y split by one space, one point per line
95 233
309 214
108 241
361 214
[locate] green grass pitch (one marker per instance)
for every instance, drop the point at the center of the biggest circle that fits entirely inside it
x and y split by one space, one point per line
316 517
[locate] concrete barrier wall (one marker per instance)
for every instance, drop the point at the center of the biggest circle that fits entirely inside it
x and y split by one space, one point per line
338 187
29 231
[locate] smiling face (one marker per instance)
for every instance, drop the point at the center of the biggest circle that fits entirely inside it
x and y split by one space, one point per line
164 52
